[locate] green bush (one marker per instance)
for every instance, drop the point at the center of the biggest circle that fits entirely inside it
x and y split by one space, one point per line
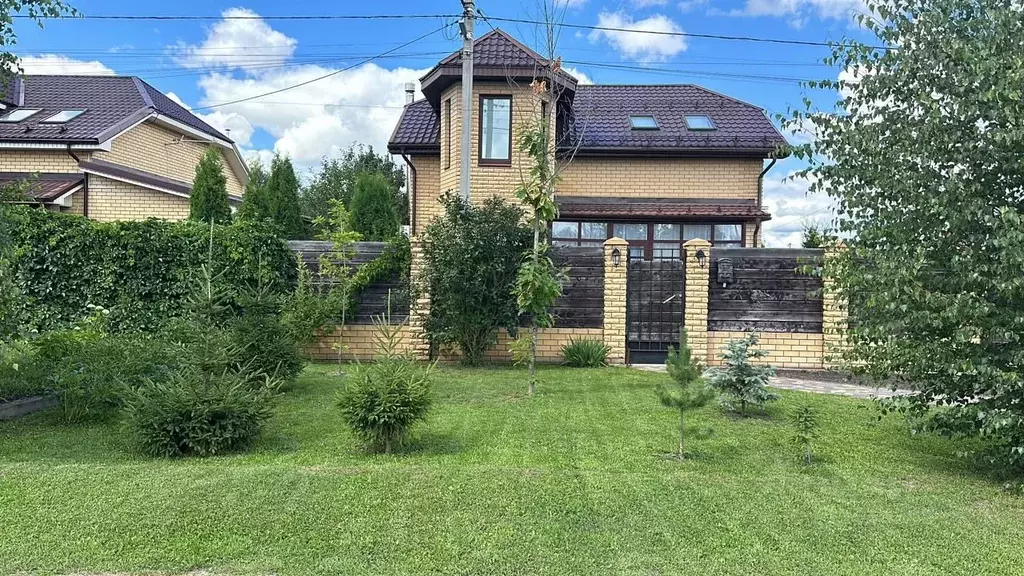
373 208
471 258
209 199
140 271
263 343
585 353
805 424
17 366
197 414
384 400
739 381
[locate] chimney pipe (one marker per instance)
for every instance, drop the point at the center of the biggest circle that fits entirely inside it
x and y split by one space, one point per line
410 92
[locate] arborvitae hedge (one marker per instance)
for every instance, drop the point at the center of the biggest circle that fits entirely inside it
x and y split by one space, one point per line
141 271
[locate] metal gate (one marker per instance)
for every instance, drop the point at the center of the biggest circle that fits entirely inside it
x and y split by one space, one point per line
655 307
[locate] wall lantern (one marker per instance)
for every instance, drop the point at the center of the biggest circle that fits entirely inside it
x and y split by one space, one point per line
616 257
701 258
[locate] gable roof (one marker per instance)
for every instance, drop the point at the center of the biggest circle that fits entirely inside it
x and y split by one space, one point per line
598 123
497 48
110 104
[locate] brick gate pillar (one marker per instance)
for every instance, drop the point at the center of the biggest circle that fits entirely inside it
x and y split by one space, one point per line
834 311
696 314
615 299
419 347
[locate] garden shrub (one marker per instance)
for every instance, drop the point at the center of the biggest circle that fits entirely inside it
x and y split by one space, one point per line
140 271
471 258
16 371
198 414
263 343
383 400
585 353
740 382
805 423
208 201
373 208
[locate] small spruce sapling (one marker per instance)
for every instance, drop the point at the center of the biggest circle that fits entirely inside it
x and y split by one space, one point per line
687 391
740 381
805 421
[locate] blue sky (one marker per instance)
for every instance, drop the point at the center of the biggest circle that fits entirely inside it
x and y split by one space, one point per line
205 62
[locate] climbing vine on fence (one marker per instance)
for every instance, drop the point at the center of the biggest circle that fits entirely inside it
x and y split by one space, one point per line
138 270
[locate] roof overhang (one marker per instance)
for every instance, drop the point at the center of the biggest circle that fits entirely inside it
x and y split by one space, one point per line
142 179
442 76
46 188
674 208
667 152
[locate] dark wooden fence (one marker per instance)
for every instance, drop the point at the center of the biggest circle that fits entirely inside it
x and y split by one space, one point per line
373 300
582 302
768 292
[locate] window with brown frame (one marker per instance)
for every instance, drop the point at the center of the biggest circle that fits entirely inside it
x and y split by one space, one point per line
495 146
448 133
647 240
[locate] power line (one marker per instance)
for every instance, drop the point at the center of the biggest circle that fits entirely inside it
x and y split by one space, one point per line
683 72
241 17
328 75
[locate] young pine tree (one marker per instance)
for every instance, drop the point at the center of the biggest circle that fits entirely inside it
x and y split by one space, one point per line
373 207
687 391
740 381
805 421
209 200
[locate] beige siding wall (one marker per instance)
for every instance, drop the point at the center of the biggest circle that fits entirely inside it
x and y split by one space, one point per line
114 200
661 178
158 150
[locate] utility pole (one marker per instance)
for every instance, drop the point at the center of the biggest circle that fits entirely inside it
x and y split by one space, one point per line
466 26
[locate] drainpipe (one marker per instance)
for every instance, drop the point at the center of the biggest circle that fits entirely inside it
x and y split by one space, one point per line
760 195
410 187
85 186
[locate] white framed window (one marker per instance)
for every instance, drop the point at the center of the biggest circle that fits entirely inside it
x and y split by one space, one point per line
699 122
643 122
495 130
63 116
20 114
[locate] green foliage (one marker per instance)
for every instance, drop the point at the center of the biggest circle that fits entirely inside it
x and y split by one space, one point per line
816 236
688 390
922 156
274 197
140 271
471 258
739 381
337 264
198 415
385 399
538 286
36 11
305 310
209 199
805 425
373 208
10 295
585 353
265 344
336 180
255 203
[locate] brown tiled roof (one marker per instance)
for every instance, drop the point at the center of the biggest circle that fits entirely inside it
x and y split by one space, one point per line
119 172
602 207
497 49
419 127
111 104
43 187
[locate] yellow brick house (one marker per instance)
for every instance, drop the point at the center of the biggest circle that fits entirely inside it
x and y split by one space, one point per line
107 147
656 165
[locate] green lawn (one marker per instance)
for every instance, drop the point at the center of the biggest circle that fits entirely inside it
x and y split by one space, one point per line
572 481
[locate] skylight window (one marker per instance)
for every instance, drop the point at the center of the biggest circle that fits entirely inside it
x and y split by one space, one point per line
63 116
19 115
699 123
643 123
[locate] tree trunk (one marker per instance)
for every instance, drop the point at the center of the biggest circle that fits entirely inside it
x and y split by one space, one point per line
682 433
533 321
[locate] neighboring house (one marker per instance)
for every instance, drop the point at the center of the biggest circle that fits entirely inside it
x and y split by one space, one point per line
653 164
108 147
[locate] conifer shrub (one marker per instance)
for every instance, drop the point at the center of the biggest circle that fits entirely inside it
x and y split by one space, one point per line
741 383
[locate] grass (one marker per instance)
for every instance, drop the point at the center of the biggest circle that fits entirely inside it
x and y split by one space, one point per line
571 481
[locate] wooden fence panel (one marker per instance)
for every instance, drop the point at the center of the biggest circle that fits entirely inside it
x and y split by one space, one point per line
768 293
373 300
582 302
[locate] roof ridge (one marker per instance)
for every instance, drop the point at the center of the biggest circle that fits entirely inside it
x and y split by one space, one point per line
140 86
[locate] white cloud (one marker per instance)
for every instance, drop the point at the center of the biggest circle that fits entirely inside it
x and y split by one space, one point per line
234 125
798 11
57 64
787 199
241 43
691 5
646 47
581 77
648 3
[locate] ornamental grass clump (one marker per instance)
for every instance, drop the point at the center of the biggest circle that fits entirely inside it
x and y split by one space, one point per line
738 381
585 353
384 400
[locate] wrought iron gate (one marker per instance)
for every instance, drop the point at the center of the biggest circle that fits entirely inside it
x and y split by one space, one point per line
655 307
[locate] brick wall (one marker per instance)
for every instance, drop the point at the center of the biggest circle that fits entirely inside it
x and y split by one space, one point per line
661 178
427 192
790 351
57 161
158 150
114 200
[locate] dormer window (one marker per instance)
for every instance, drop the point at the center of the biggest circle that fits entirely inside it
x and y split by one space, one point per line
63 116
642 122
700 122
20 114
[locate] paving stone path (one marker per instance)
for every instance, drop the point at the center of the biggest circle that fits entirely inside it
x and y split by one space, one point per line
815 386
